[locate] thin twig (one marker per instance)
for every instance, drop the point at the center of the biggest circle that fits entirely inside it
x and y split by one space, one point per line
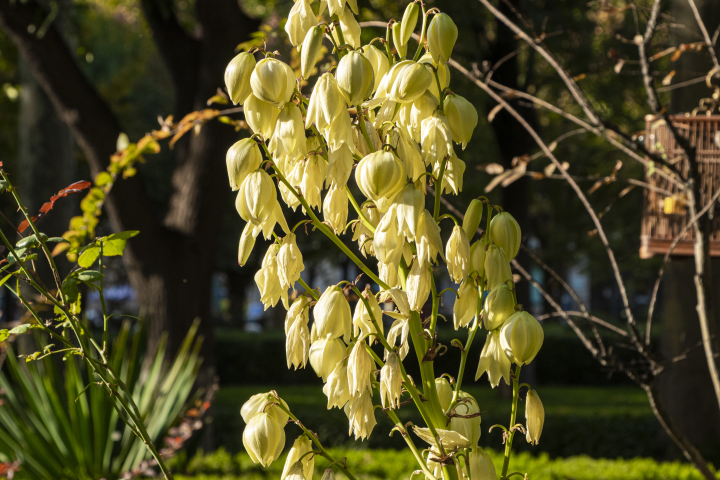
708 41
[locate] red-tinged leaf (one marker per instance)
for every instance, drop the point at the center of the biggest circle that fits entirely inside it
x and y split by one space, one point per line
47 206
76 187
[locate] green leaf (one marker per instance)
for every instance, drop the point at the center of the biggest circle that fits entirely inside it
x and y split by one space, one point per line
57 240
70 290
102 179
19 330
89 276
88 256
115 243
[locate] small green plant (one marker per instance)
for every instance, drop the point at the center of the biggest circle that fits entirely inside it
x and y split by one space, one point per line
58 422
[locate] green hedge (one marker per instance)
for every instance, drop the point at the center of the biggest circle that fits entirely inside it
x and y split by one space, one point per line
391 464
251 358
610 422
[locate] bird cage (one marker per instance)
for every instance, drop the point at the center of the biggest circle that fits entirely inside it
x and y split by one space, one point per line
665 214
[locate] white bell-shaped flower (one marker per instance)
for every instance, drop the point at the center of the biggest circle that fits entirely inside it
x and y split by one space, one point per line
335 208
379 62
290 261
297 453
355 77
462 117
441 37
332 314
466 303
410 203
242 159
288 138
362 318
260 115
297 334
427 239
452 180
273 81
436 139
300 20
388 242
361 413
493 361
336 387
391 381
263 439
521 337
418 286
325 355
237 77
380 176
359 368
457 255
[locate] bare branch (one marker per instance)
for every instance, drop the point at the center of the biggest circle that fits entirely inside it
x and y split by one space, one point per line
709 42
592 318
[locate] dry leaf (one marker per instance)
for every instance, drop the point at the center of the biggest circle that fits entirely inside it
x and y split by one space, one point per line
579 77
618 66
668 78
550 169
491 168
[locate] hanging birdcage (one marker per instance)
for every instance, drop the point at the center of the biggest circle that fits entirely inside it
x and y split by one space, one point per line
665 213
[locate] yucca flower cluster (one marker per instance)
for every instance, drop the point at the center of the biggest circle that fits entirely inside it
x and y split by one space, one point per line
392 119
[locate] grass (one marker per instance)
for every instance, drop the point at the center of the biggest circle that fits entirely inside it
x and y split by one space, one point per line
392 464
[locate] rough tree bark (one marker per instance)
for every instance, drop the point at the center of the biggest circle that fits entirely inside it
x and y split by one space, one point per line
170 263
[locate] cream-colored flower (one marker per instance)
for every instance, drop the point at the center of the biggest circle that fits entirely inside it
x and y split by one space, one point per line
444 391
336 388
388 273
427 239
360 366
436 139
410 203
362 318
361 414
332 314
362 233
473 217
379 62
326 103
269 285
409 22
237 77
355 77
493 361
453 177
481 465
257 203
290 261
336 7
335 208
391 381
242 159
457 255
409 153
297 334
264 439
260 115
288 138
400 329
388 243
349 27
420 110
300 20
462 117
418 286
310 54
260 403
273 81
448 439
340 164
325 355
380 176
411 83
466 304
499 305
521 337
477 258
443 75
400 46
467 427
301 446
247 242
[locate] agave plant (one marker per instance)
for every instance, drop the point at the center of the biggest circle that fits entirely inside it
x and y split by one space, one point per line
58 423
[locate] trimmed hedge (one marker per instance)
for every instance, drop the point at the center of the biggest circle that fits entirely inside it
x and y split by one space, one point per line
391 464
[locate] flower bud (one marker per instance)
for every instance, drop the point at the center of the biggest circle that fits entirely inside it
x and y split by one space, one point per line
247 242
521 337
242 158
264 439
336 388
380 176
328 474
295 458
270 82
332 314
326 103
261 116
473 217
335 208
466 304
325 355
359 368
477 258
410 205
499 305
411 83
505 232
379 62
237 77
340 164
467 427
288 138
427 239
441 36
444 391
435 139
534 416
457 255
260 403
389 79
290 261
462 117
391 381
300 20
310 54
355 77
362 320
400 46
497 266
297 335
443 72
452 180
361 413
493 361
481 465
418 286
409 22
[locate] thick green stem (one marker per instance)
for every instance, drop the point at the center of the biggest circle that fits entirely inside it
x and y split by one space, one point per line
309 290
513 417
359 211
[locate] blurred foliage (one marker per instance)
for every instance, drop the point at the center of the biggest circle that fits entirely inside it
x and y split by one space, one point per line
384 464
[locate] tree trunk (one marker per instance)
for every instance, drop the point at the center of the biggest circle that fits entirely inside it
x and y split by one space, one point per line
170 263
